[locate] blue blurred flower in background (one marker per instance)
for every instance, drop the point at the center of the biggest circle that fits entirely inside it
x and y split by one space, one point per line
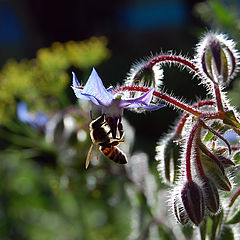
37 120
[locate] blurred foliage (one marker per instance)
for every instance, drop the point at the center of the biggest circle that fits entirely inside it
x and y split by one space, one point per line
41 82
46 193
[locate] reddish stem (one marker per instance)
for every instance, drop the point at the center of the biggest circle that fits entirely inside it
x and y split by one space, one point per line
218 98
199 164
189 150
234 196
165 97
183 120
234 148
177 59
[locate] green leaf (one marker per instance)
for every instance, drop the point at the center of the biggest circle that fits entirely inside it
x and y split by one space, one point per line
226 233
235 218
208 136
213 171
236 157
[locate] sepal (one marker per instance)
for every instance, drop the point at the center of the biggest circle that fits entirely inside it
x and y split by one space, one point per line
215 174
179 211
211 195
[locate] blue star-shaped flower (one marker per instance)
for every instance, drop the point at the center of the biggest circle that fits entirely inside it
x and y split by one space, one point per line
111 105
99 95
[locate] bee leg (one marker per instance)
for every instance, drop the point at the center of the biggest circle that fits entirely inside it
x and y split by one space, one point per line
115 143
91 116
112 122
120 129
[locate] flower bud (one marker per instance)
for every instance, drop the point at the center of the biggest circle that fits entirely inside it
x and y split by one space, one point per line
211 195
145 75
192 199
168 154
218 58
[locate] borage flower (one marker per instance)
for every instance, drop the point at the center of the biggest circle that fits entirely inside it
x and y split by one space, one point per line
111 104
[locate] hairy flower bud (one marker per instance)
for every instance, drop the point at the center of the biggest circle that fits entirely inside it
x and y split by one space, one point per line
217 58
145 75
168 154
211 195
192 199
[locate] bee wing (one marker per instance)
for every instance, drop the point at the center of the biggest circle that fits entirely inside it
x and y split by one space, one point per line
88 156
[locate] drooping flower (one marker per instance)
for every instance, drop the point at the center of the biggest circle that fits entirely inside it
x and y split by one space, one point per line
111 104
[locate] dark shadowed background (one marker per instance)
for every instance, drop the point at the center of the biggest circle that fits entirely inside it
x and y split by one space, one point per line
135 29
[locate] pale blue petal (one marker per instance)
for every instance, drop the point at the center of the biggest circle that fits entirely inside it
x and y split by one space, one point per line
75 81
78 94
231 136
153 107
94 89
78 90
110 89
145 99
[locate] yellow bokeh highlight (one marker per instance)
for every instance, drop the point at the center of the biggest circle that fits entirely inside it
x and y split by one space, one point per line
42 82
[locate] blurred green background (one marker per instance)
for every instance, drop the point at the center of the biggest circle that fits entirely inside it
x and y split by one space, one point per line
45 191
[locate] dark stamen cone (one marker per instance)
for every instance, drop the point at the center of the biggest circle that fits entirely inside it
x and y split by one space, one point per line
192 198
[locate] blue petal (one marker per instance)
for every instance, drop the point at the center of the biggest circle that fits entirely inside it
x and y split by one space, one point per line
110 89
153 107
22 112
231 136
145 100
76 88
95 91
75 81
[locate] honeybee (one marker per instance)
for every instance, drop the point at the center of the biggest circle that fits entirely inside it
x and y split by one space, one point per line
100 133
